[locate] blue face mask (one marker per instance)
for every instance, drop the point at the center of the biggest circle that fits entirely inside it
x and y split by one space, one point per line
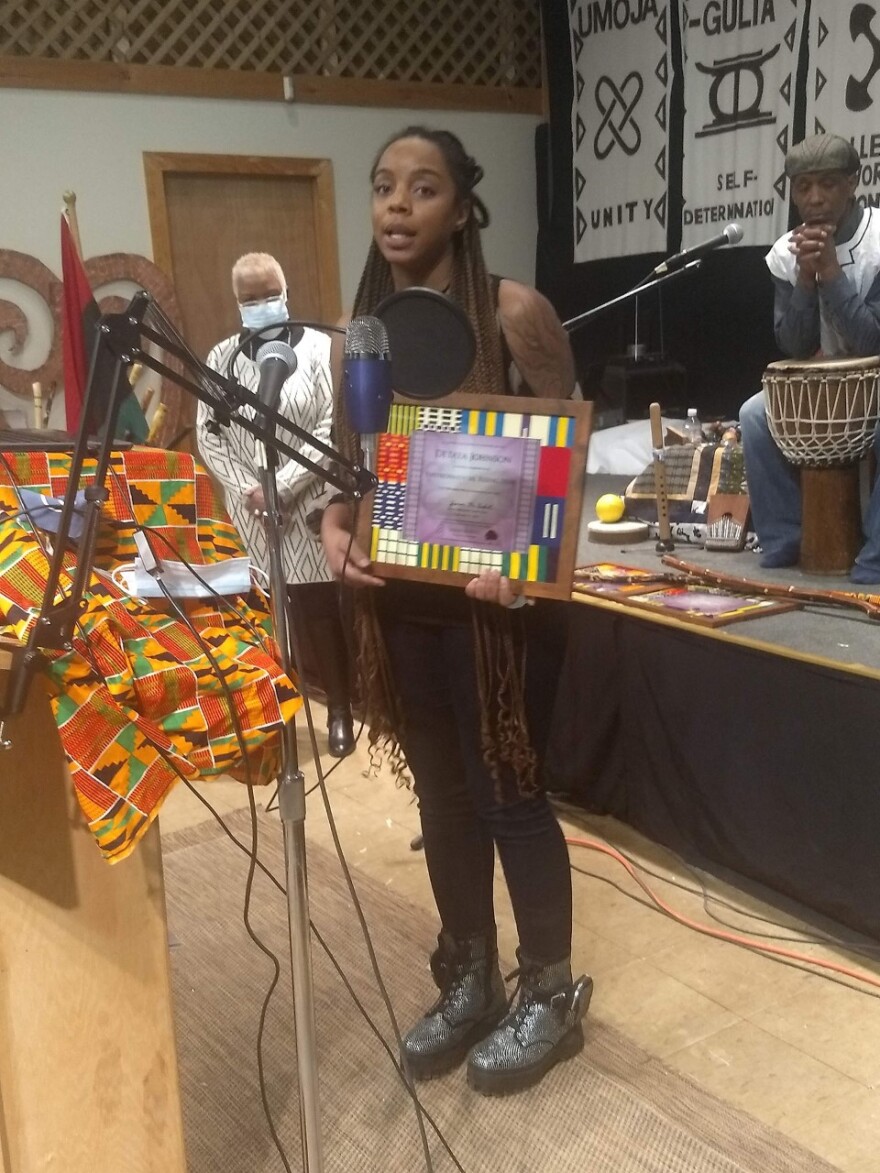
260 314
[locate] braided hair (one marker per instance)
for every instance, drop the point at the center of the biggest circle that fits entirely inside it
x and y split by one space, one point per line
499 650
471 285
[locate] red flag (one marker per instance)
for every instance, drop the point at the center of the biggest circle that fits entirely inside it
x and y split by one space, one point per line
79 314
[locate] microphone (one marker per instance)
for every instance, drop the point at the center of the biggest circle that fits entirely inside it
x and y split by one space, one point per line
366 382
732 234
277 362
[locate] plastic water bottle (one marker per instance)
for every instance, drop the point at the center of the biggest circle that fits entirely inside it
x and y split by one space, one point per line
692 429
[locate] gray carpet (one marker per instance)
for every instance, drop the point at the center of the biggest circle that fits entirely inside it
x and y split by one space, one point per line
614 1109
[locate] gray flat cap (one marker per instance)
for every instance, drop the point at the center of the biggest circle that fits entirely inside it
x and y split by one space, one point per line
822 152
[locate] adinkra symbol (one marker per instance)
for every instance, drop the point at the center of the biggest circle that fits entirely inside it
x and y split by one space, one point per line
858 96
736 92
618 125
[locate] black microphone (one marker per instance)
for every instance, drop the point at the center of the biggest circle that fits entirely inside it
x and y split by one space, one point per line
732 234
366 382
277 362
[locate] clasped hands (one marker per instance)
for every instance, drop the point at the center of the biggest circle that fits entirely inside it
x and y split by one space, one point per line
814 247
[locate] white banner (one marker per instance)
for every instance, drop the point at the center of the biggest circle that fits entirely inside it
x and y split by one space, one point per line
739 79
621 68
843 82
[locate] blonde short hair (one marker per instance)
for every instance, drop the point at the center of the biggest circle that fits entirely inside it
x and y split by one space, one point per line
262 263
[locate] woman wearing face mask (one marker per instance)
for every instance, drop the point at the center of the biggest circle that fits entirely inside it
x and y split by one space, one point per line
232 455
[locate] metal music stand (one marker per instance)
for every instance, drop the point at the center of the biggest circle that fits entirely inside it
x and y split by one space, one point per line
125 337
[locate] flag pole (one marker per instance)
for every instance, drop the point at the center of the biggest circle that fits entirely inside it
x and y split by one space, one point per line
69 198
37 389
156 424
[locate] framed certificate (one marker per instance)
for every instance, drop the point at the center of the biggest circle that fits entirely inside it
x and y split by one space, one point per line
474 481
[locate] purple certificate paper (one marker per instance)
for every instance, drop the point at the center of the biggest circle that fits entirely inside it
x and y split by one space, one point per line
475 492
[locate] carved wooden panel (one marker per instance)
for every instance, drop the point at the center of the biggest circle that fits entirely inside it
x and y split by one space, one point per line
101 271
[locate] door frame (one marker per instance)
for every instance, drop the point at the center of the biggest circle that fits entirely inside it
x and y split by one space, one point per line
158 164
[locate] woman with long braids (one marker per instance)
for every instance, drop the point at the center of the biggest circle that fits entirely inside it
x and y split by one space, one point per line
443 671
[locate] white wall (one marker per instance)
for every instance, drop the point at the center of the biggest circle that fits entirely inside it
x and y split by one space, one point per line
52 141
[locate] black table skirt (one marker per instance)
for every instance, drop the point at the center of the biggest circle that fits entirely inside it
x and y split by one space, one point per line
763 764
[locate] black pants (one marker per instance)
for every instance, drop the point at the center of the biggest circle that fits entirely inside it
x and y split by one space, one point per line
323 648
462 820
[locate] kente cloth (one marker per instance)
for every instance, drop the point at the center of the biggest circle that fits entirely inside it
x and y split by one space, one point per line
140 699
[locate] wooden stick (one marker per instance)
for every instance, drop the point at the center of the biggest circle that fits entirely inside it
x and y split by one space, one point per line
870 604
134 373
69 198
147 399
38 404
156 423
664 532
589 576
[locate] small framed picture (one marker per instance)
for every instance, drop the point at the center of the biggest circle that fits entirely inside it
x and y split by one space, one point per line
666 594
708 606
612 580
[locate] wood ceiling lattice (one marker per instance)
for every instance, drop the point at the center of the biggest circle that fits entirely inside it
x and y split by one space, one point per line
452 42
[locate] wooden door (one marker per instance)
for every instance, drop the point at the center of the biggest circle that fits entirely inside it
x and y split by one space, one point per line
206 210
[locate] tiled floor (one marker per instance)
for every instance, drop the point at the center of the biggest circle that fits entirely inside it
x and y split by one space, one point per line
797 1051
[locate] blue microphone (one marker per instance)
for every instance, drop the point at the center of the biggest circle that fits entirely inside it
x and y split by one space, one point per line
366 382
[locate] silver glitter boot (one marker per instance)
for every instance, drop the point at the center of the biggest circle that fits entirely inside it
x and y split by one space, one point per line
542 1028
472 1000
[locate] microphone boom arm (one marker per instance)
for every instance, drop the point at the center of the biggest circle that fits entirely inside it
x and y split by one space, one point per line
354 480
582 319
122 335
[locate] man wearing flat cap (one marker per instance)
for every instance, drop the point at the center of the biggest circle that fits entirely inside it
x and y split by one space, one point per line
826 280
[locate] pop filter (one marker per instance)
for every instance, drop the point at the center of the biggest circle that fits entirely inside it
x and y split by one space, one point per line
430 340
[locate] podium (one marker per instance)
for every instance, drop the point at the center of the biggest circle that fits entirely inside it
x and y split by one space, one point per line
88 1066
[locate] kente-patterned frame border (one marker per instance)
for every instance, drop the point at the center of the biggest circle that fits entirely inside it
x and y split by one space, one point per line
546 567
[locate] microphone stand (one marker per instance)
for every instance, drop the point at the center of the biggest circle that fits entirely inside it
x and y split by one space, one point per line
126 337
292 812
636 291
665 542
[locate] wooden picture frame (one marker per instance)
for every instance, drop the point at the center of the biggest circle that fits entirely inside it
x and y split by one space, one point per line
542 567
705 606
612 580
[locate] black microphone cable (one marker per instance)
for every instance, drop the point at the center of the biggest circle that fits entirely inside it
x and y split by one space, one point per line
365 1014
253 857
365 932
349 883
343 864
253 853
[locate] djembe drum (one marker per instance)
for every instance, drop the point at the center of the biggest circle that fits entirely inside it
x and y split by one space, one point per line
823 415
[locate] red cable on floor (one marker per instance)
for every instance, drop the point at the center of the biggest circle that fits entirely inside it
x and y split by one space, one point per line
720 934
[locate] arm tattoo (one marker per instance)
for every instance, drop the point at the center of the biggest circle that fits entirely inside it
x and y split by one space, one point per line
540 348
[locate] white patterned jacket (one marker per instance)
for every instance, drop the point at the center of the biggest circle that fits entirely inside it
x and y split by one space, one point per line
233 455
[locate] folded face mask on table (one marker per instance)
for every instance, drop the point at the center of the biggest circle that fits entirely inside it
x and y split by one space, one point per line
229 577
